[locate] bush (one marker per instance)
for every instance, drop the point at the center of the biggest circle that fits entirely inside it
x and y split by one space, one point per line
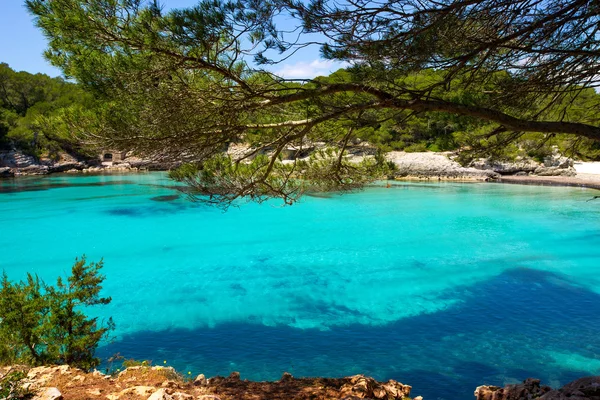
41 324
11 385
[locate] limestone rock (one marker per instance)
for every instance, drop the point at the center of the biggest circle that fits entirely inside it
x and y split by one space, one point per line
160 394
286 377
200 380
94 392
16 159
165 394
6 172
363 387
434 165
587 388
50 393
555 171
506 167
530 388
553 165
141 391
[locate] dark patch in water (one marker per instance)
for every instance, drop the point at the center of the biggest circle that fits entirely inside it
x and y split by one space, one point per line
165 198
104 197
498 331
238 289
49 185
144 212
281 284
128 212
179 188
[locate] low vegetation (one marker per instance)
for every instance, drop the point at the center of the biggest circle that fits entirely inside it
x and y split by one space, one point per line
42 324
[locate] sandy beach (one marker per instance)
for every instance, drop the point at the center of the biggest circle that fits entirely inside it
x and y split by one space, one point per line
588 175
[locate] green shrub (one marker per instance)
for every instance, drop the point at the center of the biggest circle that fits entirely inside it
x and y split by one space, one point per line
42 324
11 386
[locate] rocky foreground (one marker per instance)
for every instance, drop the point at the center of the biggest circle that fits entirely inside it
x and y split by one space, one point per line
164 383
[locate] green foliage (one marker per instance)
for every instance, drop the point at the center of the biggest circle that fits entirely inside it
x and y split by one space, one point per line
42 324
136 363
11 386
425 75
28 102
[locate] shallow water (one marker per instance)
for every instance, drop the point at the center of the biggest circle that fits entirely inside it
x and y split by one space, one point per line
441 286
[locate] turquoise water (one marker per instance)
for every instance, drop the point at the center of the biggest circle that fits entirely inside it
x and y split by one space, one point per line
442 286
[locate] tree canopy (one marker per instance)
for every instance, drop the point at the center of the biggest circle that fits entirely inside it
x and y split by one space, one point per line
188 83
27 101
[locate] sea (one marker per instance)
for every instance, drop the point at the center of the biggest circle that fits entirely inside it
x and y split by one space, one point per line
442 286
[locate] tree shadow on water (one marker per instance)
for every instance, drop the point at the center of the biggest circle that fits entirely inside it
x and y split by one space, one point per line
513 326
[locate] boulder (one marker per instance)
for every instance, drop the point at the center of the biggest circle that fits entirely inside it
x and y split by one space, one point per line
50 393
65 167
530 388
434 165
554 165
16 159
506 167
286 377
141 391
200 380
6 172
555 171
587 388
165 394
363 387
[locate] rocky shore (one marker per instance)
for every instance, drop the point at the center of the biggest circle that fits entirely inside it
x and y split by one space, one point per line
164 383
553 170
15 163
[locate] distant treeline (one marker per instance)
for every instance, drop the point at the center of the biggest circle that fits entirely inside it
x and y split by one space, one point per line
438 131
42 116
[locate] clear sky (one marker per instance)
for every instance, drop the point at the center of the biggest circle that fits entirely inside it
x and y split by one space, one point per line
22 45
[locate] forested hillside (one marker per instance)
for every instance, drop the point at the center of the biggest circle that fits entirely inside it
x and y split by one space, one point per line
28 106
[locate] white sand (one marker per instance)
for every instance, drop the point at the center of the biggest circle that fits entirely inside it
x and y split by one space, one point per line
587 167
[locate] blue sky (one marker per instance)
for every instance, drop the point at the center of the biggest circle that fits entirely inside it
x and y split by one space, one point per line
22 45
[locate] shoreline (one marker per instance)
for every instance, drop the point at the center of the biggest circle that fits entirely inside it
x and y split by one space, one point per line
587 181
147 382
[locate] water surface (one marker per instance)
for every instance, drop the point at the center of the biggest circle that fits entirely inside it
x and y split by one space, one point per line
443 286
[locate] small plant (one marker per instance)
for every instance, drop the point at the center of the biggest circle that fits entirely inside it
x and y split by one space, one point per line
136 363
11 386
110 362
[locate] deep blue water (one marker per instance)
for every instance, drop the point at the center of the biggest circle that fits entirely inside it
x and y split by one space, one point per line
443 286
